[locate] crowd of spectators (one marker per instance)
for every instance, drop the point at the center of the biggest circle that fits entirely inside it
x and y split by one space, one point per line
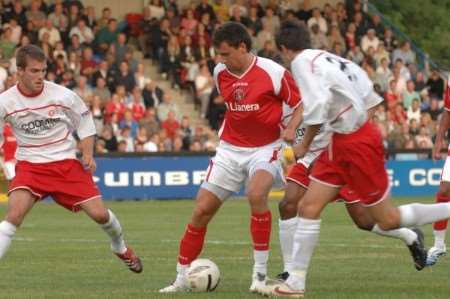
94 56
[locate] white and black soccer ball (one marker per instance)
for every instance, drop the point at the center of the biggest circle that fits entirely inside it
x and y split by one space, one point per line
203 275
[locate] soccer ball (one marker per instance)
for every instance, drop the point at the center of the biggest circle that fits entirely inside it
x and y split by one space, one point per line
203 275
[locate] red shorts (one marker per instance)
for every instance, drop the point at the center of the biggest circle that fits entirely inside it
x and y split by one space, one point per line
299 174
356 160
66 181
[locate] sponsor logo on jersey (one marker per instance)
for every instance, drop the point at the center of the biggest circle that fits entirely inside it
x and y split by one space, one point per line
239 94
34 127
242 107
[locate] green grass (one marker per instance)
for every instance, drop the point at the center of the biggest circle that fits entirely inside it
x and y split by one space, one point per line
60 255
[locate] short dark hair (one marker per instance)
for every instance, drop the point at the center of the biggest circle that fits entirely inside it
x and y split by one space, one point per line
294 36
233 33
31 51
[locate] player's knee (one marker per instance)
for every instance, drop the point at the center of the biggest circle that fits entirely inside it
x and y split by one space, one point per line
202 215
364 224
287 208
308 209
256 195
100 216
388 224
444 190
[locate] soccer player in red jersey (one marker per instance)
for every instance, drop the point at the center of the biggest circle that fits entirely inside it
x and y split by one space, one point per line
44 116
254 90
440 228
334 94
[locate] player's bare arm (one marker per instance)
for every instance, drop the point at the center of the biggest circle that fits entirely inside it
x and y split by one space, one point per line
288 133
87 153
443 127
302 148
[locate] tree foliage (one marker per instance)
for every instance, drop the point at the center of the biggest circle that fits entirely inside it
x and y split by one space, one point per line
426 22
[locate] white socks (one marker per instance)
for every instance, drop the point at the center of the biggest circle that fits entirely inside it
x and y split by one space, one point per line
181 274
260 257
114 231
305 240
287 230
417 214
439 238
7 231
405 234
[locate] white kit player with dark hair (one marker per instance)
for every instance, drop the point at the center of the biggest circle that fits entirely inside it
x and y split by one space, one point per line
43 116
334 93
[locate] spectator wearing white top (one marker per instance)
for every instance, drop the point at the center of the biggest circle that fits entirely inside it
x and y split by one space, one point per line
414 111
319 20
16 30
204 85
369 40
53 33
84 32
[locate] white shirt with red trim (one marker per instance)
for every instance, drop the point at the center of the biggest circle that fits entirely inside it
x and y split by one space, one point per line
254 102
43 124
335 91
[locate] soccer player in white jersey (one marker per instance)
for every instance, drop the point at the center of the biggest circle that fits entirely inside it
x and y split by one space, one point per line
334 91
440 228
297 183
43 116
254 89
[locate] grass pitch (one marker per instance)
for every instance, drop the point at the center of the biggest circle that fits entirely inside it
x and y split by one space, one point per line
57 254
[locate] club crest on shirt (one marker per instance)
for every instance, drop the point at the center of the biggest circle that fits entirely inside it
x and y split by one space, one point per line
238 94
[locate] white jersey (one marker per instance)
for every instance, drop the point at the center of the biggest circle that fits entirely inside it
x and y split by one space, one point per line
336 92
43 124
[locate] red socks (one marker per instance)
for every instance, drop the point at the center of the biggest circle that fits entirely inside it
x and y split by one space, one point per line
260 228
441 225
191 245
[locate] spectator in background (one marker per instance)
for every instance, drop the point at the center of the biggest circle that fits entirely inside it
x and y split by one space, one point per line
350 36
170 125
54 35
433 110
97 114
375 23
318 20
334 36
125 77
435 85
370 39
263 35
204 85
381 54
318 38
420 81
101 90
106 36
119 48
254 21
59 19
238 16
390 41
109 138
84 90
356 55
104 19
6 45
16 30
413 112
272 20
409 94
88 65
84 32
114 107
137 106
404 53
149 122
391 97
35 15
382 74
423 140
152 95
125 136
157 9
166 106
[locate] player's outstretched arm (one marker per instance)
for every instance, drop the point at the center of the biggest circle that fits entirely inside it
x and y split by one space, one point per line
443 127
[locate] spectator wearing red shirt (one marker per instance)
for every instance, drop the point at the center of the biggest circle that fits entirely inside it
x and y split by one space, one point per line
114 106
137 106
170 125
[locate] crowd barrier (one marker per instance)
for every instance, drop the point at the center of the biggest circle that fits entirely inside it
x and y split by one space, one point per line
172 177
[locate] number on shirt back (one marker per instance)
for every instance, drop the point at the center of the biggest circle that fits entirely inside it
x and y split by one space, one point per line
342 66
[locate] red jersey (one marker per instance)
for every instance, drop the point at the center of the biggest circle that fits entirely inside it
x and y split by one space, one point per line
447 95
138 110
9 143
254 102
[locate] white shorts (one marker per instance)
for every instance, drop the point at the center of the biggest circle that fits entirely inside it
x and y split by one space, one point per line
446 170
233 165
9 168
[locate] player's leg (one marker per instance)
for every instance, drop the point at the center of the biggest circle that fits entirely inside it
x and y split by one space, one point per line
413 238
297 180
209 200
20 202
306 237
257 192
439 248
108 221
